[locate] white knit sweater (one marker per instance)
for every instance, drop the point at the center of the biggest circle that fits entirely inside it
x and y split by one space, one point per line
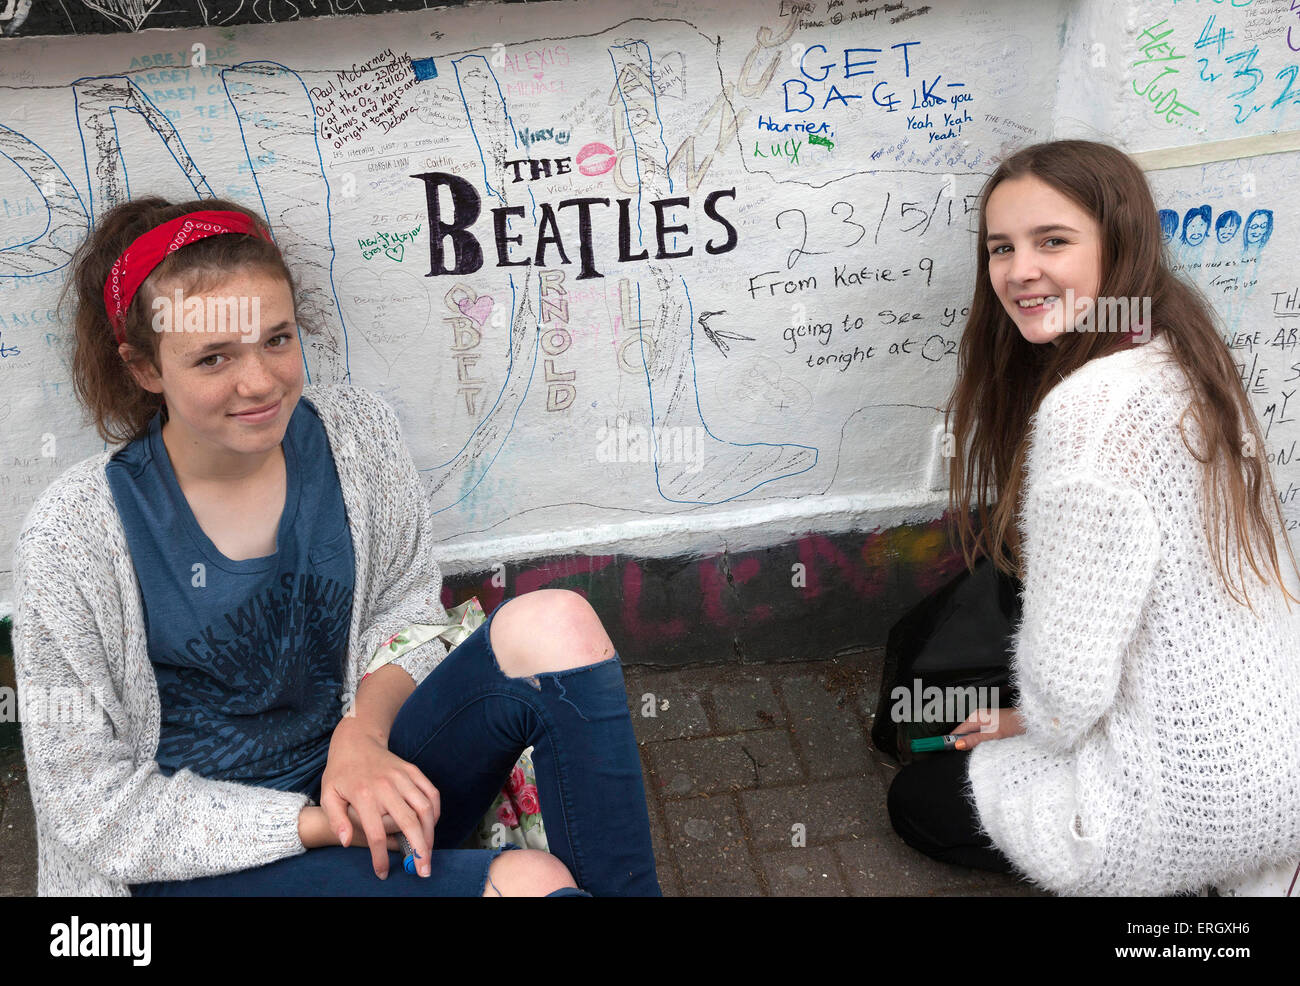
1160 751
105 816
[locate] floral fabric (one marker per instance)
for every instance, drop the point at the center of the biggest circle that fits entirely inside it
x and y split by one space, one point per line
516 814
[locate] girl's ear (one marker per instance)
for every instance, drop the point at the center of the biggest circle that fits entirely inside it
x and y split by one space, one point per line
140 369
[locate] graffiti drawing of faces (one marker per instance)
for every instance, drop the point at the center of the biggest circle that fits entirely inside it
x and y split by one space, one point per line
1259 227
1168 224
1225 227
1196 225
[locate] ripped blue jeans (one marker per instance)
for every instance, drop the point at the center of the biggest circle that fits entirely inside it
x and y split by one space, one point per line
464 727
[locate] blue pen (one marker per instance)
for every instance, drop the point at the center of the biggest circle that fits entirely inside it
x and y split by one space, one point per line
409 863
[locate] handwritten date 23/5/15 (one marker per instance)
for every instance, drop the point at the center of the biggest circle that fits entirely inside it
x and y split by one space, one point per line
847 232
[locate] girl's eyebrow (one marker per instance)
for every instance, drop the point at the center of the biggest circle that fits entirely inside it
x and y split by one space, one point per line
1036 231
213 347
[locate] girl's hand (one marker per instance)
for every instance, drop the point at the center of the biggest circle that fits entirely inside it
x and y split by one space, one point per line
364 784
988 724
315 833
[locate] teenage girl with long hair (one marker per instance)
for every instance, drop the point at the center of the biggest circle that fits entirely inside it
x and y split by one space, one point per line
214 589
1116 466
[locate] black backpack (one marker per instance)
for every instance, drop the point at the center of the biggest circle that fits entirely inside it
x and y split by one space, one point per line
958 640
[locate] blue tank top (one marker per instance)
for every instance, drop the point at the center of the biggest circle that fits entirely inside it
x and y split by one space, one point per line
248 654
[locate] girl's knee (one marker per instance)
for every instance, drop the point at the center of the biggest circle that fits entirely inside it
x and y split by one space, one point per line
526 873
548 630
561 608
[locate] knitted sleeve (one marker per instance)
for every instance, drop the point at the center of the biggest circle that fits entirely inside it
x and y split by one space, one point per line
91 790
1091 551
407 578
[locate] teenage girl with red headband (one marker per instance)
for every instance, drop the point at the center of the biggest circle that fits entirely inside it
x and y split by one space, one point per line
214 589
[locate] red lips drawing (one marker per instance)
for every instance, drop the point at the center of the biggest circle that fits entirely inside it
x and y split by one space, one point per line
595 159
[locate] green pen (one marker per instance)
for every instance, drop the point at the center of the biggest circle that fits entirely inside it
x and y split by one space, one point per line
936 744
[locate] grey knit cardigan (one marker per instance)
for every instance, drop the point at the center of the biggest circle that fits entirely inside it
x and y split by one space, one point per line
105 816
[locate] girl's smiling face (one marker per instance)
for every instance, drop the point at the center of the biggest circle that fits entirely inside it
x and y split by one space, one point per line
1041 244
209 377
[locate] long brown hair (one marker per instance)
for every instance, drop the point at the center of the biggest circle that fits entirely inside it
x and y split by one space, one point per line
1002 378
115 403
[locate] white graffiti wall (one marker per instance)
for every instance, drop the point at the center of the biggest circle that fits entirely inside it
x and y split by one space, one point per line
647 277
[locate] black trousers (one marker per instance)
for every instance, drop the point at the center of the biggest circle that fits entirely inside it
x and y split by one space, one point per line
932 815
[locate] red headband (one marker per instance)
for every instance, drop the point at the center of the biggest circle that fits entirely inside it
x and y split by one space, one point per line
150 249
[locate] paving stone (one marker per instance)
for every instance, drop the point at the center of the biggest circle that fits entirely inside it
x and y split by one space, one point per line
713 764
869 690
706 837
828 734
885 770
683 714
748 704
879 864
665 862
868 695
808 872
868 667
17 829
828 811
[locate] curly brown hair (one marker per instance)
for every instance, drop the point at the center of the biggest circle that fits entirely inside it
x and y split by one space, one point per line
1002 378
118 407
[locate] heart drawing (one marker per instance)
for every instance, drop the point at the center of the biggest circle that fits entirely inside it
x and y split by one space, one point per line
479 311
389 311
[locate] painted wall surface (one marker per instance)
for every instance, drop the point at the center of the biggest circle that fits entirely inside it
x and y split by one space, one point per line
815 597
646 279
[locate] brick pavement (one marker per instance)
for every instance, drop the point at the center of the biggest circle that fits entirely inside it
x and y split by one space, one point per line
761 781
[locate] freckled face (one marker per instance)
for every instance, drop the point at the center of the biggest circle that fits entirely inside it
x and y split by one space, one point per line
1040 244
210 377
